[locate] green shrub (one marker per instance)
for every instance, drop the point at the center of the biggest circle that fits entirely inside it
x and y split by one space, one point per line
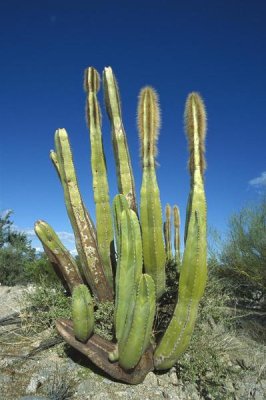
242 260
19 262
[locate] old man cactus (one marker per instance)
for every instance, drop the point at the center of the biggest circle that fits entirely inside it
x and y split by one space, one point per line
123 258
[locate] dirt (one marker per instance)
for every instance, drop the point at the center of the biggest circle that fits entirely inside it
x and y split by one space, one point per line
60 373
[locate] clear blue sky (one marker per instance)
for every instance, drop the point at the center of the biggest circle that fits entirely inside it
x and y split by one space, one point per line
214 47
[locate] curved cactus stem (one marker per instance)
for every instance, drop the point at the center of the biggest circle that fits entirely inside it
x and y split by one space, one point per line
194 266
105 236
137 337
150 205
58 254
97 350
85 240
126 184
54 159
129 269
82 313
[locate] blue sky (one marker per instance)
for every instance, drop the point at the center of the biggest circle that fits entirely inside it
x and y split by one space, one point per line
214 47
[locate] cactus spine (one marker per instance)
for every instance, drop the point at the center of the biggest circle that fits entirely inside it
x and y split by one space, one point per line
194 266
82 313
177 235
167 233
58 254
150 205
86 245
126 184
105 237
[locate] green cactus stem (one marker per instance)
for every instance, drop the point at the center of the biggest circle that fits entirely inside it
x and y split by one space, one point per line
105 236
126 184
129 269
85 240
194 266
82 313
119 204
150 204
57 253
177 235
167 233
137 336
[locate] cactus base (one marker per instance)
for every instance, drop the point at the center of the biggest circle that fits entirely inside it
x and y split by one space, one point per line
97 350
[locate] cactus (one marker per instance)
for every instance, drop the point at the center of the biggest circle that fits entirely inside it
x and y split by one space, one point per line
150 205
138 330
119 204
129 269
194 266
177 235
167 233
105 237
86 244
140 251
58 254
126 184
82 313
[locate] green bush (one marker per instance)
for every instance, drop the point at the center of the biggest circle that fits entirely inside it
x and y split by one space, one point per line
19 263
241 263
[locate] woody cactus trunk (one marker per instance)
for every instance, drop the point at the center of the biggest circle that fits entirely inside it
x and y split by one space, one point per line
123 259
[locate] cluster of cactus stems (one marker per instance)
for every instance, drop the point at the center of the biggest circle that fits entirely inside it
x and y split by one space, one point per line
123 258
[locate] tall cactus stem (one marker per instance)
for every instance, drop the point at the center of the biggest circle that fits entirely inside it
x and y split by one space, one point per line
150 205
194 265
119 204
85 241
137 338
126 184
167 233
105 236
177 235
129 269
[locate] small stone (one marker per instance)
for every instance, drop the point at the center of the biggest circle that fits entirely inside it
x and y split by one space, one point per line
35 382
151 379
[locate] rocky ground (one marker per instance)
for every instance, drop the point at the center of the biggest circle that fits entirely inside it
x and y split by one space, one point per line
59 373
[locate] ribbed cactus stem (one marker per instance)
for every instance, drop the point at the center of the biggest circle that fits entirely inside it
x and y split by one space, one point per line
82 313
129 269
195 121
105 236
194 265
177 235
150 204
167 233
126 184
119 204
57 253
137 337
85 240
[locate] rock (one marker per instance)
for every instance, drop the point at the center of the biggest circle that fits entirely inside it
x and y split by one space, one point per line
36 381
33 398
151 379
173 377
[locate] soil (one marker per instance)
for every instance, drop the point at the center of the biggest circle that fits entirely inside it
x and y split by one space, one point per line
59 372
